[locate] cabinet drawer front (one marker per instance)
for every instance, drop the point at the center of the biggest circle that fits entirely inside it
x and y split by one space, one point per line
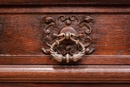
35 34
22 33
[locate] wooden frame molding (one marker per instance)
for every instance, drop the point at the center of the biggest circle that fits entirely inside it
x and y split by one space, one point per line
65 2
64 9
63 74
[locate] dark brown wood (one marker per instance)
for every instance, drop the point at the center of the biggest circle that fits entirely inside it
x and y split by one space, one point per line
23 64
65 2
66 9
67 37
65 74
62 85
110 37
48 60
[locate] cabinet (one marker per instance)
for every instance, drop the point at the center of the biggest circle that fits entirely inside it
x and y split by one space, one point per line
99 31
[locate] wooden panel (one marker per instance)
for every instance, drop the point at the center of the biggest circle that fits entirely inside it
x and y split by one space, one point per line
62 85
21 40
114 34
111 37
65 74
64 2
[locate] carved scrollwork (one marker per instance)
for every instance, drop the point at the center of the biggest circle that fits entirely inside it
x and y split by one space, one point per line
78 27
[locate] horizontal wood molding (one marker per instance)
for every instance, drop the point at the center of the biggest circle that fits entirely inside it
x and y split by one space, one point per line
63 9
64 2
42 59
59 74
7 84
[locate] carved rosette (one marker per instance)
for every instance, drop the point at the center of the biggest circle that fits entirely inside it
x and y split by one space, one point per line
79 26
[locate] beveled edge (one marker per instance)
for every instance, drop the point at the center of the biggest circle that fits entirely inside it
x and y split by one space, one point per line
65 74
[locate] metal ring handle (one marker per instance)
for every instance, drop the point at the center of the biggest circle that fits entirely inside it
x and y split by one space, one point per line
67 57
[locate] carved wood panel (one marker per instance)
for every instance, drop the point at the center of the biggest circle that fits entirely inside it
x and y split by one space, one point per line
80 28
109 38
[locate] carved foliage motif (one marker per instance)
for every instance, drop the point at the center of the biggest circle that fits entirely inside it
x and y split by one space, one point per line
53 26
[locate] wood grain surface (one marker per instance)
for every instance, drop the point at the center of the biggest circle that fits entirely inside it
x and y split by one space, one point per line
62 85
23 64
48 60
64 2
24 37
65 74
